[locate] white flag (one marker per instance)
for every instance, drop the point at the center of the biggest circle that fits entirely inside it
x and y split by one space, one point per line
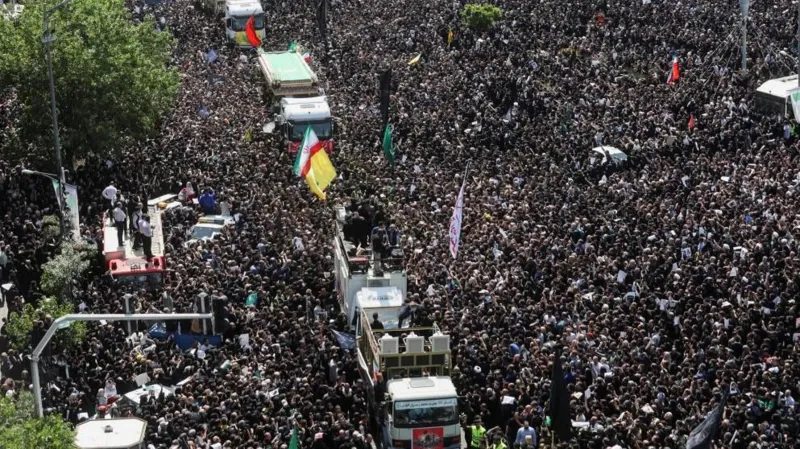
455 221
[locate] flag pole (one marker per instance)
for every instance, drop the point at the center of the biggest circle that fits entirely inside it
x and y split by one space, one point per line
552 438
466 170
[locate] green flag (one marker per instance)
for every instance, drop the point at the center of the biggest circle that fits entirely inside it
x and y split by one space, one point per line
293 442
388 150
292 46
252 300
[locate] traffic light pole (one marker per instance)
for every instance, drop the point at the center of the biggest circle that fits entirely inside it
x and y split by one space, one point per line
66 320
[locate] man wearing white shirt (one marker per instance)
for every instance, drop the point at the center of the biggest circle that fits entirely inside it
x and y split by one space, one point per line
119 217
146 230
110 193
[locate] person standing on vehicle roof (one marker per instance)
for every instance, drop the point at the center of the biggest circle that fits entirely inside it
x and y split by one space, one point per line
146 229
136 216
119 217
110 194
208 202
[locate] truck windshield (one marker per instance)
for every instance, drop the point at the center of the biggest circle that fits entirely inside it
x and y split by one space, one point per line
239 23
205 232
147 281
321 128
425 413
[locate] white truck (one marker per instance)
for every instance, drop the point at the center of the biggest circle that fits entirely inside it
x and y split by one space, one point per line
412 400
235 14
293 91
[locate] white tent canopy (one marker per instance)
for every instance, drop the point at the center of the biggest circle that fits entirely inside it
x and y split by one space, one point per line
615 153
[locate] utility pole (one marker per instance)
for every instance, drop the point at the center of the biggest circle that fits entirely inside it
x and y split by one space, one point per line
48 39
797 40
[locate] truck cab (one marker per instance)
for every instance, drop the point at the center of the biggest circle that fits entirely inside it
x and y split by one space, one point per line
294 95
297 114
237 13
421 412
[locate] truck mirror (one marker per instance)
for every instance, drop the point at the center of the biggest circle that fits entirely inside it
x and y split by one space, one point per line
228 23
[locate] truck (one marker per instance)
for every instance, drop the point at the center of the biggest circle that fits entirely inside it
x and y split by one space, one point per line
294 94
128 265
236 14
412 402
773 97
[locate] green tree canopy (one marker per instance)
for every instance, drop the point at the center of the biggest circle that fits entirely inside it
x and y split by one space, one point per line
20 324
112 77
20 430
480 16
72 261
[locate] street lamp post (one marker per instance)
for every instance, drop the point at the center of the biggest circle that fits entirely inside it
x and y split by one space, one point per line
59 195
48 39
66 320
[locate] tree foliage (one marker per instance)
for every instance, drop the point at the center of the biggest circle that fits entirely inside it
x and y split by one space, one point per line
480 16
69 264
111 75
19 429
20 324
51 226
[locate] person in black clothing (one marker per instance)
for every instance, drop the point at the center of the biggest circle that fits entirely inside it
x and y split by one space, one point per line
376 323
360 229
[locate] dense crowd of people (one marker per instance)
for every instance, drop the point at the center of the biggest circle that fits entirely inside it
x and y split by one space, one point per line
660 281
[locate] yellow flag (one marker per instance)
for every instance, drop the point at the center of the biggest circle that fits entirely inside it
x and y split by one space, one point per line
449 37
248 135
415 60
320 173
312 184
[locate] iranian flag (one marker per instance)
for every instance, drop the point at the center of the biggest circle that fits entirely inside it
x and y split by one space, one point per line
310 141
313 164
675 73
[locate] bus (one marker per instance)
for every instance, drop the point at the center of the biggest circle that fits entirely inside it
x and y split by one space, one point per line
129 266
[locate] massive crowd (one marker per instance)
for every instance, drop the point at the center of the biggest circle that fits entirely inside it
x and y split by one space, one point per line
661 281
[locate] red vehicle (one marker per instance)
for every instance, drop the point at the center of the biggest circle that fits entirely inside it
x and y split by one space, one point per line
130 266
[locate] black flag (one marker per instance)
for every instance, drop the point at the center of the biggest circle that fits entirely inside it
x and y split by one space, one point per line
386 87
702 435
322 19
560 421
